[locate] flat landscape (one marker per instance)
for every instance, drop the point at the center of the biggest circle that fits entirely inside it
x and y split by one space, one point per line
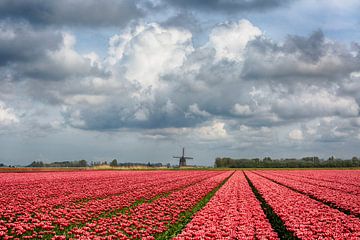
186 204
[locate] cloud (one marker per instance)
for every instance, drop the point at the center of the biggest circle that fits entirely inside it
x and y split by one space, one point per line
227 5
149 51
239 86
89 13
315 102
65 62
214 131
170 72
334 129
166 82
241 110
296 134
195 110
298 59
22 43
309 49
7 115
42 54
230 39
184 19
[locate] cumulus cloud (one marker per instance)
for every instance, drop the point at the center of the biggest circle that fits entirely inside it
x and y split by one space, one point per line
230 39
183 72
7 115
331 129
62 63
195 110
149 51
214 131
241 110
42 54
315 102
66 62
137 95
245 136
296 134
239 86
166 82
299 59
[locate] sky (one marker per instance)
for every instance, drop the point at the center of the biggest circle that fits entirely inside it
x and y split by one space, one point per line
137 80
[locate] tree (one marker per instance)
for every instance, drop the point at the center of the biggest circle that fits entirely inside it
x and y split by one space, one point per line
355 162
82 163
267 159
113 163
37 164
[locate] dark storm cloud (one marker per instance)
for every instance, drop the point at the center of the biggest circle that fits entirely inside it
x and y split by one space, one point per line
311 48
306 59
184 19
84 12
31 52
22 43
228 5
48 69
112 116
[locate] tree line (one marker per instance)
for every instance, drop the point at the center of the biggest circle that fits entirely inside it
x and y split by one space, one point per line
80 163
305 162
84 163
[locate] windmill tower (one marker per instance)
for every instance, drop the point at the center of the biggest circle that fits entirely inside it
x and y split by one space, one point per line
182 159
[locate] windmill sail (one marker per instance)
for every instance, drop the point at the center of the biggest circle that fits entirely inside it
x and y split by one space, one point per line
182 159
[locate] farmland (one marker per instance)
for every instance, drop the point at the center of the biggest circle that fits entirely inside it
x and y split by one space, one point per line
250 204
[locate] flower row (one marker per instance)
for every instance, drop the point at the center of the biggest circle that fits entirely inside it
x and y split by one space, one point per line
148 220
344 183
233 213
307 218
347 201
349 177
41 216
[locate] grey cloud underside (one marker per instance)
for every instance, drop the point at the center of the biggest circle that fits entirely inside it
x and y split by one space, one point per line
23 43
92 13
298 59
184 19
119 117
311 48
228 5
83 13
29 52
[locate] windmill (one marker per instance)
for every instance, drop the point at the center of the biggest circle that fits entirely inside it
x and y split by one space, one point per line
182 159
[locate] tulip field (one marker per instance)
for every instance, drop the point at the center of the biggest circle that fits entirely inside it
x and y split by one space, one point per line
186 204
